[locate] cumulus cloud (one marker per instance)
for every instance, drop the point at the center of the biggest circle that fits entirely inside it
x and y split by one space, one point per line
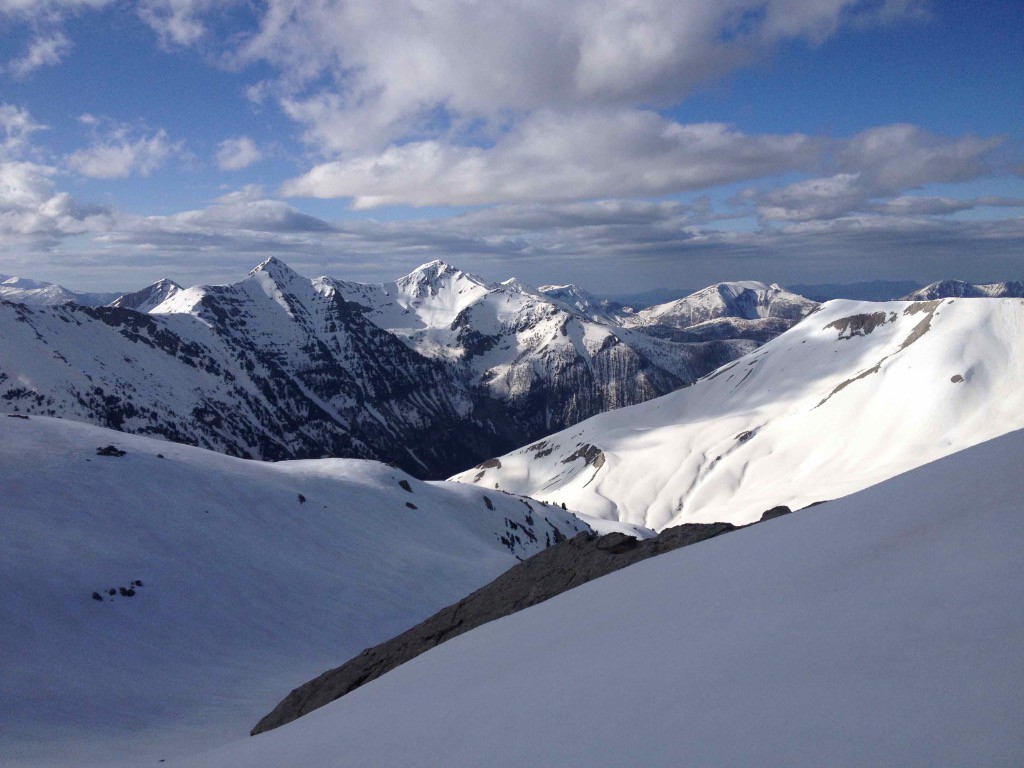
902 156
32 210
552 156
394 67
237 153
43 51
881 163
116 155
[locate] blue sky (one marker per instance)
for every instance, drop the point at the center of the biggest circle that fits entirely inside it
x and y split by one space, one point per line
623 145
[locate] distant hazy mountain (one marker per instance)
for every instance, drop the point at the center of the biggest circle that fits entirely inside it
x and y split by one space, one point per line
550 362
737 310
874 290
855 394
947 289
37 293
645 299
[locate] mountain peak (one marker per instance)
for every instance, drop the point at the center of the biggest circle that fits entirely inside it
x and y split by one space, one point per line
275 269
431 271
148 298
427 279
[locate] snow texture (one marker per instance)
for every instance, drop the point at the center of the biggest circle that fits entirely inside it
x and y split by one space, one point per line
233 581
881 629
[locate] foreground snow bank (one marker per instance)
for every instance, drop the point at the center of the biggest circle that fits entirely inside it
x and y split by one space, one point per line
240 580
881 629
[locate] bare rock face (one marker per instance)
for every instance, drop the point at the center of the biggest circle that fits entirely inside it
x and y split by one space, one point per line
548 573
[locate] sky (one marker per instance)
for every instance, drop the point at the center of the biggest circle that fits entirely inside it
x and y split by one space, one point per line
623 145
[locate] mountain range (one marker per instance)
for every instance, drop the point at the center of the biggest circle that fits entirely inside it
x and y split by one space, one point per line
432 372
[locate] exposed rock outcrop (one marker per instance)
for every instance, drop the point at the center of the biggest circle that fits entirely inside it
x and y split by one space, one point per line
541 577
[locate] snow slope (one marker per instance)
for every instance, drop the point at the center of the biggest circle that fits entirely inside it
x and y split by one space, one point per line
246 589
881 629
854 394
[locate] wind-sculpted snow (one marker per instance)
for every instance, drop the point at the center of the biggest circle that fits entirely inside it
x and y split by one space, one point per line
854 394
883 629
232 580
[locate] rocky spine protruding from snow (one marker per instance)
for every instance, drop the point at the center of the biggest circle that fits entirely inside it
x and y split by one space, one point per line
566 565
876 630
946 289
854 394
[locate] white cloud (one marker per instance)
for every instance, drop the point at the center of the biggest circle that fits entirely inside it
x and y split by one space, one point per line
117 156
47 10
176 22
394 66
17 126
31 209
43 51
237 153
902 156
552 156
880 163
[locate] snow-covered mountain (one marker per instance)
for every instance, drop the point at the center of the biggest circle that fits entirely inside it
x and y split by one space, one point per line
547 363
854 394
747 300
880 629
162 599
432 372
946 289
148 298
270 367
37 293
585 303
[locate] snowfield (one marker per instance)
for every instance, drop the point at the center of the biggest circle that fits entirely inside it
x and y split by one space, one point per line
884 628
854 394
246 589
